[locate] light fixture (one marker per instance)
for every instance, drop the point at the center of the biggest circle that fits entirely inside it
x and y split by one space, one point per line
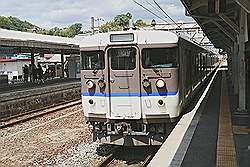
90 84
101 83
146 83
160 83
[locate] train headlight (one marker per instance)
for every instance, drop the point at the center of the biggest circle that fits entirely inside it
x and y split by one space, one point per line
160 83
146 83
101 83
90 84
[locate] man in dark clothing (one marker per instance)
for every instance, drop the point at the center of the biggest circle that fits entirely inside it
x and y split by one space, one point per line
25 73
40 73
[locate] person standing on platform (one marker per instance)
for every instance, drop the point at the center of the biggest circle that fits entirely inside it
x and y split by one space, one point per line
40 73
25 73
34 73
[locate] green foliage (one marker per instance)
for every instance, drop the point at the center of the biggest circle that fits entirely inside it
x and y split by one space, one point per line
140 23
5 22
120 22
13 23
110 26
70 31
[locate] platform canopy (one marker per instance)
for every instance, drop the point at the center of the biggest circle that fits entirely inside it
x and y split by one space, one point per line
32 42
219 19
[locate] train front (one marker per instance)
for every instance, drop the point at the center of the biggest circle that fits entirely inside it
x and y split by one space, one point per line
130 86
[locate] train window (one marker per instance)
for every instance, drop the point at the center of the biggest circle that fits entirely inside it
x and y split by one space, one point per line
159 57
92 60
122 58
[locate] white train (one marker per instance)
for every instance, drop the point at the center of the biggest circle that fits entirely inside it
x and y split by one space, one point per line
135 83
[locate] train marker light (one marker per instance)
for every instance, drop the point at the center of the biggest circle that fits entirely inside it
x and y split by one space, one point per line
90 84
101 83
160 83
146 83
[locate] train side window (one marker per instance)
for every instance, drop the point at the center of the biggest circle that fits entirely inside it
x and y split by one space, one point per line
122 58
92 60
159 58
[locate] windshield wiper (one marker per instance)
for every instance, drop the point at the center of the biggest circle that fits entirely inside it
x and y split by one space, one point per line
96 68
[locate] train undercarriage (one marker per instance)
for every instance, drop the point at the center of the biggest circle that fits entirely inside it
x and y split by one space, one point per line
131 133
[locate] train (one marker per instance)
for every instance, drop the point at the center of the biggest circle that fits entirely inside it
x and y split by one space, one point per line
136 83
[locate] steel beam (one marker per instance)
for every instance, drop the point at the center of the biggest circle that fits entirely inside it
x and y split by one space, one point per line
230 35
197 4
234 26
206 17
245 4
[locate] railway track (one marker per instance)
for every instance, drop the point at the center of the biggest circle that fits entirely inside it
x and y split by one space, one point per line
118 156
37 113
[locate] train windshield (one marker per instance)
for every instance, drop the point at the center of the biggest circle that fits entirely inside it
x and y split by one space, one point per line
159 57
92 60
122 58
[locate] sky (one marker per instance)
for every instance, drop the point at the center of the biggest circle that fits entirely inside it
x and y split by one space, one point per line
62 13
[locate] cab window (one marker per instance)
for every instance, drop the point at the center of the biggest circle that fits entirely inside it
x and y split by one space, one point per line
92 60
122 58
159 57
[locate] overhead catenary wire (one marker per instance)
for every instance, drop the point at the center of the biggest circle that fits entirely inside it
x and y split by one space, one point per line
167 14
155 8
149 11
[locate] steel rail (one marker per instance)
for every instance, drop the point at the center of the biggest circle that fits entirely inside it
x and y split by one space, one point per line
107 161
38 113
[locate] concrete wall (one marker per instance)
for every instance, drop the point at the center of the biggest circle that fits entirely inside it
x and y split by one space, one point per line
20 102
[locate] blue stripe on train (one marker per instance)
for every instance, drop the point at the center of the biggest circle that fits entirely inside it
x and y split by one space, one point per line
130 94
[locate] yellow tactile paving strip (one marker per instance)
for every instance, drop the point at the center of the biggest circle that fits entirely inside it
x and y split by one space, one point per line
226 156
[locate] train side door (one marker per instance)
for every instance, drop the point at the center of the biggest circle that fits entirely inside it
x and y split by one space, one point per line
124 83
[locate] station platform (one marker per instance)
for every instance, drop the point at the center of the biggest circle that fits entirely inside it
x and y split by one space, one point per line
209 135
20 99
19 86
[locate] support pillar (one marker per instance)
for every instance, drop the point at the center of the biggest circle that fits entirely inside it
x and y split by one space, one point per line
230 66
62 62
241 115
32 58
32 67
235 68
242 64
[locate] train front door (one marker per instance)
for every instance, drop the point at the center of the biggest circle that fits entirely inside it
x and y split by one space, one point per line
125 102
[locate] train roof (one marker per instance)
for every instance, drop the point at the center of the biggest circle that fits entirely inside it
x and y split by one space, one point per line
139 37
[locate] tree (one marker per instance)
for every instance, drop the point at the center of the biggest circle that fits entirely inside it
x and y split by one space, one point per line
122 20
140 23
5 23
109 26
13 23
70 31
74 29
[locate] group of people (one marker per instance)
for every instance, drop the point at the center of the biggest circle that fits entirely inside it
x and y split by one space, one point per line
33 73
36 74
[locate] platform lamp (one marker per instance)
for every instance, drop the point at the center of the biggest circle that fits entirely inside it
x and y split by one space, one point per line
153 23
